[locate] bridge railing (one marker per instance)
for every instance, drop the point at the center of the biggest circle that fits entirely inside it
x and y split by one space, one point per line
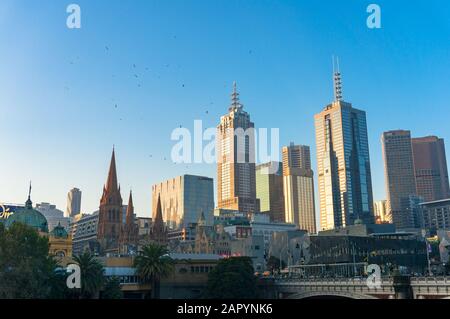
330 281
441 280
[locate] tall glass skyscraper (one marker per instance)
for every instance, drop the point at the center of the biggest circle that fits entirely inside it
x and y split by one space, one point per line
235 141
430 165
73 203
184 199
343 164
399 176
269 190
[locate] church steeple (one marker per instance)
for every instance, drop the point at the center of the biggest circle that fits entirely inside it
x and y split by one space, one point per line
158 232
130 210
158 216
202 220
111 183
110 211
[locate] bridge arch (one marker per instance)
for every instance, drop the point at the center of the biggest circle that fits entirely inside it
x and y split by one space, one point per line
331 294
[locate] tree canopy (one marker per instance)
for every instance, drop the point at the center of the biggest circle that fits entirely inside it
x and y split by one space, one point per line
232 278
26 269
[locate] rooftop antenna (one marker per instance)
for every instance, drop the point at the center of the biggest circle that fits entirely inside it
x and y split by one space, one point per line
235 104
337 81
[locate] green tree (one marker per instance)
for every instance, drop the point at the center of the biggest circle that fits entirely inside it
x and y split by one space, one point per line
92 275
112 289
152 264
232 278
26 269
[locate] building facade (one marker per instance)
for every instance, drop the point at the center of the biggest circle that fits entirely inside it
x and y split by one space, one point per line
235 149
183 199
60 243
390 251
435 215
430 166
298 187
381 212
262 226
269 190
73 203
83 230
53 215
343 162
399 176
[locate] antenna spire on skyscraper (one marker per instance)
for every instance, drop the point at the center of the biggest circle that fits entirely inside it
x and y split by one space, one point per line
235 103
337 81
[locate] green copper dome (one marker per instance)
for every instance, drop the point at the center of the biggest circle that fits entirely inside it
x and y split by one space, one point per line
30 217
59 232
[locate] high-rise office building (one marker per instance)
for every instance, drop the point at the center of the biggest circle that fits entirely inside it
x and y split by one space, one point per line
430 165
298 187
269 190
235 140
399 176
296 156
435 215
73 203
183 199
343 162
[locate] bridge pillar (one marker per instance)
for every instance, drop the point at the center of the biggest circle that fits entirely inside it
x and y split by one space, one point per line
402 287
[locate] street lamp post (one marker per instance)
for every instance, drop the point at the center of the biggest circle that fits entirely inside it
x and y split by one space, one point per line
424 235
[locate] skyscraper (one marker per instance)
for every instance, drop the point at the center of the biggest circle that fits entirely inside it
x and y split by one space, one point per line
269 190
73 203
430 165
183 199
110 213
399 176
236 159
298 187
343 162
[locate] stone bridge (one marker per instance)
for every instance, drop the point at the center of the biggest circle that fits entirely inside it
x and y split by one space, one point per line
400 287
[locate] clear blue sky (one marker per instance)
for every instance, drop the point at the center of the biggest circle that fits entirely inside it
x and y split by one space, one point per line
59 87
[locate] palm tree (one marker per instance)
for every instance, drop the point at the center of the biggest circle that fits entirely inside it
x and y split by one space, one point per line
152 264
92 275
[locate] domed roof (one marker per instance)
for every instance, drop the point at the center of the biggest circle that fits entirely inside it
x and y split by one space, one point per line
59 232
30 217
